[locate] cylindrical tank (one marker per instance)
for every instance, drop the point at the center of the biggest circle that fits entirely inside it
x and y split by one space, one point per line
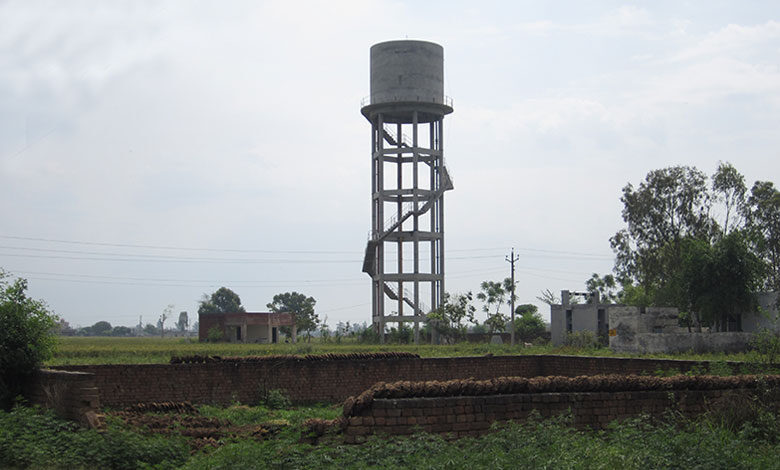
407 71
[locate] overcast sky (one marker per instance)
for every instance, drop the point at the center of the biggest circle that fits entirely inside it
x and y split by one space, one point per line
151 152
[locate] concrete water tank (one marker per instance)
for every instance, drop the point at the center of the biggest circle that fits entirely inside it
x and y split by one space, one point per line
410 71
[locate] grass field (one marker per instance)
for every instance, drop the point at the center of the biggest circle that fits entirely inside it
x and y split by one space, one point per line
112 350
33 438
30 438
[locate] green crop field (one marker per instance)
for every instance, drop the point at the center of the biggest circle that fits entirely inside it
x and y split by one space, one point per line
111 350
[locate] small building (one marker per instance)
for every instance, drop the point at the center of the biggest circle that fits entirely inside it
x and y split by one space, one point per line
246 327
568 317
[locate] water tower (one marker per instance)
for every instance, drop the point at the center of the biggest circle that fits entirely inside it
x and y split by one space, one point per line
405 250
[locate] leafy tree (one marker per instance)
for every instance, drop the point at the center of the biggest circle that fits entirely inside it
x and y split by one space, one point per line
728 186
605 286
300 306
26 338
448 319
495 293
101 328
150 329
714 281
121 331
223 300
670 205
528 322
763 228
63 328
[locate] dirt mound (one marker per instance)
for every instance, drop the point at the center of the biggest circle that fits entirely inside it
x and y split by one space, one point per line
197 359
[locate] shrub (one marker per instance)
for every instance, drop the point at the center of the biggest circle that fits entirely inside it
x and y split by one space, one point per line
583 340
215 335
26 338
369 335
275 399
767 344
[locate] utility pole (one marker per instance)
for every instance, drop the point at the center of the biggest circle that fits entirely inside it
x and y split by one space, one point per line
511 259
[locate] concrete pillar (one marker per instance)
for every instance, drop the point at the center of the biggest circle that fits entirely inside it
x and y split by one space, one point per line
294 333
564 297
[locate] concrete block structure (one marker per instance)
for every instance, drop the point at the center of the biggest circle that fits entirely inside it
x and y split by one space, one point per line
406 110
246 327
568 317
768 315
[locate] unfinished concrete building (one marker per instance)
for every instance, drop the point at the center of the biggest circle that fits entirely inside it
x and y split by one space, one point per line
247 327
406 110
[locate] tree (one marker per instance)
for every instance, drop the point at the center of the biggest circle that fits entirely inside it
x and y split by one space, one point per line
223 300
671 204
605 286
728 186
495 293
763 228
716 281
63 328
121 331
528 322
101 328
300 306
448 319
150 329
548 297
673 252
26 338
166 314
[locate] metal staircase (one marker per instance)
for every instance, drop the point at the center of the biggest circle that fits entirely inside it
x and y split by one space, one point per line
369 261
393 223
391 292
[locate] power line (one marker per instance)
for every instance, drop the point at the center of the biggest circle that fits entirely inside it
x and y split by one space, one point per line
235 250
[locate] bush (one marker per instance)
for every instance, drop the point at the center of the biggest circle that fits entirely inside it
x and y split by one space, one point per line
766 343
582 340
369 335
404 334
275 399
26 338
215 335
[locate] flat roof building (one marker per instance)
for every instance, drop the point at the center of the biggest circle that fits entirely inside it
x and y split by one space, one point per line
246 327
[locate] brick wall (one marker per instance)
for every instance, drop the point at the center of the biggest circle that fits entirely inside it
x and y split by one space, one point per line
469 416
572 366
332 380
72 395
303 381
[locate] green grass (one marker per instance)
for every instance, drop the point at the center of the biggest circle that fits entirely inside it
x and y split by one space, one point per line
110 350
31 438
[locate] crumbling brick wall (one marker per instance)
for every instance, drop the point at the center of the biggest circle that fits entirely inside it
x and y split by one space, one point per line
72 395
